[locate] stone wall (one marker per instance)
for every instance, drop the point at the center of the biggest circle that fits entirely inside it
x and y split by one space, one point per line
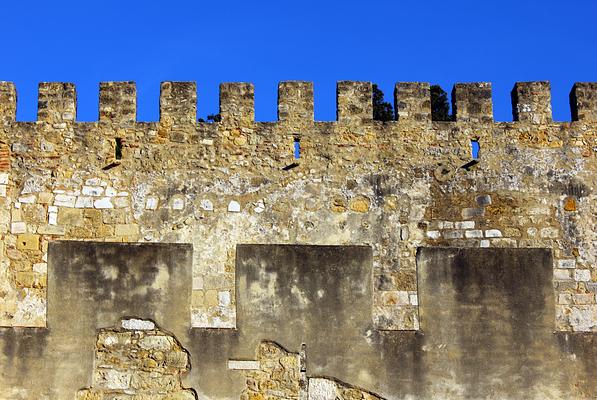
394 186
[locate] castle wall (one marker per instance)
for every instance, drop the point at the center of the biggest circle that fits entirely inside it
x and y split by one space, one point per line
395 187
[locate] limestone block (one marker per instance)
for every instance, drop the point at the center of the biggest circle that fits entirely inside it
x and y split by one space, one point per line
70 217
64 200
28 241
234 206
137 324
126 229
18 227
493 233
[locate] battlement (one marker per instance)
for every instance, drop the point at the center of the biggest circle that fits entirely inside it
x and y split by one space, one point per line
471 103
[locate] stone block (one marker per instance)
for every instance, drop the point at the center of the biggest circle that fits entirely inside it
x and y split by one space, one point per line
474 234
483 200
468 213
64 200
18 227
453 234
137 324
51 230
568 263
493 233
234 206
126 229
433 234
244 365
465 225
70 217
28 241
582 275
103 203
211 298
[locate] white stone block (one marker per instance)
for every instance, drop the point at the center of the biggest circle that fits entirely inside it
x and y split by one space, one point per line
414 299
562 274
18 227
135 324
322 389
29 199
549 233
2 190
111 192
568 263
493 233
4 178
40 268
234 206
259 207
84 202
207 205
564 298
484 243
452 234
475 234
104 202
433 234
93 182
446 225
532 232
224 298
177 203
582 275
92 190
465 225
64 200
151 203
53 218
198 283
120 202
52 209
244 365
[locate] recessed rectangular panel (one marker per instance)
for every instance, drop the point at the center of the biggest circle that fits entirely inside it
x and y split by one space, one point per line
487 318
317 295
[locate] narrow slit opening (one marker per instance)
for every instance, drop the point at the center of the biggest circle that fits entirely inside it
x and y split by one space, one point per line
297 148
118 148
475 147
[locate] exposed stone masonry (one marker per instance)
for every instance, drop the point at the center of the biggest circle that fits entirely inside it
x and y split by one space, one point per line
138 361
394 186
279 374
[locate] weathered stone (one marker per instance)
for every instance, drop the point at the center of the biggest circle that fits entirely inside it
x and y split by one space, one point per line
28 241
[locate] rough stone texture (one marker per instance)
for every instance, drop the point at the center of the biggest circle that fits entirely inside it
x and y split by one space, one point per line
138 364
468 342
282 375
394 186
532 101
92 285
413 101
389 185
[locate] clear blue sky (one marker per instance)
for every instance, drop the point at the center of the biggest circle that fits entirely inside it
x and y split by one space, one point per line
265 42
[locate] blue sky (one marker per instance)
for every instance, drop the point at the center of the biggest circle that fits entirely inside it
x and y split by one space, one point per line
322 41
